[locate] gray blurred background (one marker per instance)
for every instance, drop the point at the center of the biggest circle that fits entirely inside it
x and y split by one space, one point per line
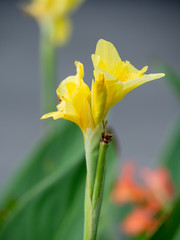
140 30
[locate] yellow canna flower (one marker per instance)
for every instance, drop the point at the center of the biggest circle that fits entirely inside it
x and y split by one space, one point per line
113 80
54 16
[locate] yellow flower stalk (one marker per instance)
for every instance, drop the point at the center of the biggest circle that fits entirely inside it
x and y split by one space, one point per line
54 17
88 109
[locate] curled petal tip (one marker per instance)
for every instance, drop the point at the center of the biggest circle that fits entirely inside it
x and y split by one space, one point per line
80 68
144 69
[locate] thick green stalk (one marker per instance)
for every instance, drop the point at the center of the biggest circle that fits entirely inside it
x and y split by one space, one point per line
93 201
48 71
92 141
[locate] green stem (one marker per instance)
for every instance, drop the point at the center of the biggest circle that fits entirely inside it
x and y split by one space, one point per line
92 142
87 211
99 187
93 205
48 71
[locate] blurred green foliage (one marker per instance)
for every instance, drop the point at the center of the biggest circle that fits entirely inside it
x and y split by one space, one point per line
171 151
172 78
170 226
171 159
48 191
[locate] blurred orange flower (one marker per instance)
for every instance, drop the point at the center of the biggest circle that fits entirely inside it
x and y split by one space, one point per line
138 221
158 181
126 189
149 197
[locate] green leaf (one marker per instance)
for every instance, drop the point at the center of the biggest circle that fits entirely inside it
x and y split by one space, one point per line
48 193
170 225
171 156
171 152
171 76
177 237
53 158
52 152
50 209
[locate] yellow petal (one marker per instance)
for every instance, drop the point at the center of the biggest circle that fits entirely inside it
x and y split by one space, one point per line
114 89
108 54
68 112
65 88
55 115
72 118
81 104
98 99
69 85
117 91
98 64
132 84
124 71
58 114
107 75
